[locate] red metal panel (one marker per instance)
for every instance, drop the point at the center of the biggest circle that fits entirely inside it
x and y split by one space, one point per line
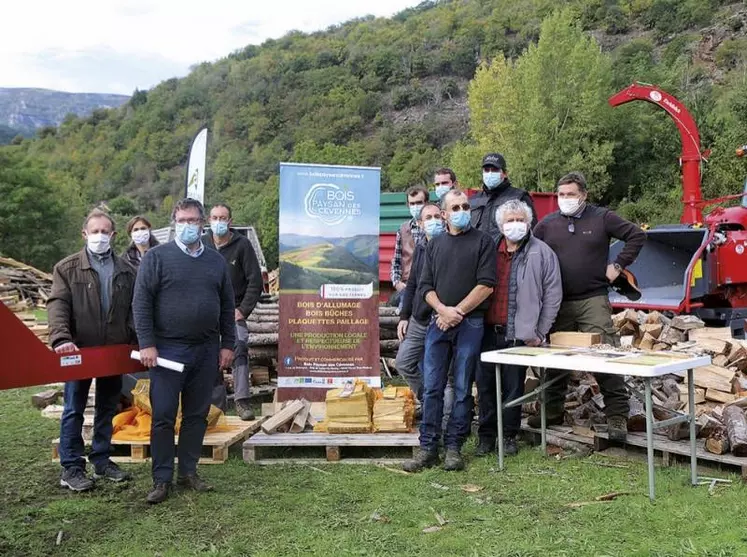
386 254
544 203
28 361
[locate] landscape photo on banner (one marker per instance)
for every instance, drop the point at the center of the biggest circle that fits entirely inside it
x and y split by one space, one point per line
329 278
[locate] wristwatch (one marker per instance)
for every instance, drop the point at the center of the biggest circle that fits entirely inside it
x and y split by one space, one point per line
617 267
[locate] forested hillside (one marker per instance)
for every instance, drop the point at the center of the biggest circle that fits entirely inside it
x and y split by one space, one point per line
398 92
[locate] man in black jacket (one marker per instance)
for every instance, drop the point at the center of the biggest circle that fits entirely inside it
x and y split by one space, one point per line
416 313
579 234
496 190
246 278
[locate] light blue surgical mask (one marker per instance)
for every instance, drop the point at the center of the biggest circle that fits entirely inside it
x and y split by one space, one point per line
460 219
434 227
188 234
219 227
415 210
492 179
442 190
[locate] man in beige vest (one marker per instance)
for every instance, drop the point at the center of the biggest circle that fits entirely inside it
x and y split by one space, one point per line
407 236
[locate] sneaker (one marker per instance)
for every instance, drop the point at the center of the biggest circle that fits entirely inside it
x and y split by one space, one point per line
75 479
617 428
510 446
113 473
244 411
159 493
485 447
453 460
193 482
554 417
423 459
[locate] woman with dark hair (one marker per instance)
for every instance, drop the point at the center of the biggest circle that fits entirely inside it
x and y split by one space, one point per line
138 229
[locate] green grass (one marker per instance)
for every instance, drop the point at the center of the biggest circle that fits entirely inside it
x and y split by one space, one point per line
360 510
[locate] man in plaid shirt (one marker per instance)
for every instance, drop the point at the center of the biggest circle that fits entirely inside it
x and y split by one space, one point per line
408 235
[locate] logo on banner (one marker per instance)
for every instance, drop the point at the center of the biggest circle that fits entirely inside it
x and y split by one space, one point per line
331 204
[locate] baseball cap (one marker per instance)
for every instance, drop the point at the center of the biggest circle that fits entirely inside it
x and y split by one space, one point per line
494 159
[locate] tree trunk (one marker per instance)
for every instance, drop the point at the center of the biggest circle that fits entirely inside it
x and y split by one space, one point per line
267 339
262 327
736 427
636 415
718 441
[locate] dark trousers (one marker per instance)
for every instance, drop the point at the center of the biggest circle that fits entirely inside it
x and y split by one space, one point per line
195 385
464 342
71 426
593 315
512 382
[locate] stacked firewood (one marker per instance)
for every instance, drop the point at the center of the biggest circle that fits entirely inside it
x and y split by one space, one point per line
24 289
720 389
264 324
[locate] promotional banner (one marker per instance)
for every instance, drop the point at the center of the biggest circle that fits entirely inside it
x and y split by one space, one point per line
329 279
196 167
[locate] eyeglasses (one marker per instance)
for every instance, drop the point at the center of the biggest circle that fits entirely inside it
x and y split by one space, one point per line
462 207
188 221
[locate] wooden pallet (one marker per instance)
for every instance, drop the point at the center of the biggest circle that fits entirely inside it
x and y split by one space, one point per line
333 445
214 446
666 448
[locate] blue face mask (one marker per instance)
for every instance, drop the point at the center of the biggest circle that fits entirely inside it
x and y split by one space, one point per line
442 190
492 179
188 234
460 219
415 210
219 228
434 227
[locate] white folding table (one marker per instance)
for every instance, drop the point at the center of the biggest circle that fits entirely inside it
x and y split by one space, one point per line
643 365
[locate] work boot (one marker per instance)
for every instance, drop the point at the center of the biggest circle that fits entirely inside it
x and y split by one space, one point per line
510 446
75 479
194 482
554 417
159 493
423 459
453 460
243 410
617 428
113 473
485 447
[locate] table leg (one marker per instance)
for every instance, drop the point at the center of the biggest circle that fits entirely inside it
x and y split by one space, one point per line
499 399
693 442
543 413
650 437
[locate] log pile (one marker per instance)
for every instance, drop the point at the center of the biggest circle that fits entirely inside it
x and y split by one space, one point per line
24 289
720 389
264 324
292 416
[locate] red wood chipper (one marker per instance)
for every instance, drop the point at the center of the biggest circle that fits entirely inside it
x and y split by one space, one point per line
698 266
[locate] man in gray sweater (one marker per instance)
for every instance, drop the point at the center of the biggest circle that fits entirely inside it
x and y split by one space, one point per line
184 311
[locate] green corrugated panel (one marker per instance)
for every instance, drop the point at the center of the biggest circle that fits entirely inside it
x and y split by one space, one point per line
393 211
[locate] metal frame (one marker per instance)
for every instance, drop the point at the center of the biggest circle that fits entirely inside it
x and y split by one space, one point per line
539 393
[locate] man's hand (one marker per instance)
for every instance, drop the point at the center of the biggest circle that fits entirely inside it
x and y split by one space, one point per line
237 315
450 316
441 324
535 342
612 273
66 347
400 286
148 357
226 358
402 330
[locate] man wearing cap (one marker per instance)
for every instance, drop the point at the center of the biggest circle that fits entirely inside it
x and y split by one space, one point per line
580 234
407 236
496 190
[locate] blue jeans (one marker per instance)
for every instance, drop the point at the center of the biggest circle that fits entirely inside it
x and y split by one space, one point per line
464 342
512 381
195 385
71 427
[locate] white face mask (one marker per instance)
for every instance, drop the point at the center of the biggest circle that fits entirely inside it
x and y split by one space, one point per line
515 231
569 205
98 243
141 237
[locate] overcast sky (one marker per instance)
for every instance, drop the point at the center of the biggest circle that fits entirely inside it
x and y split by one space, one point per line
114 46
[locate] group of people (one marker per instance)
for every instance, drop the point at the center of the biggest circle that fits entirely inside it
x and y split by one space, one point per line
479 273
185 301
